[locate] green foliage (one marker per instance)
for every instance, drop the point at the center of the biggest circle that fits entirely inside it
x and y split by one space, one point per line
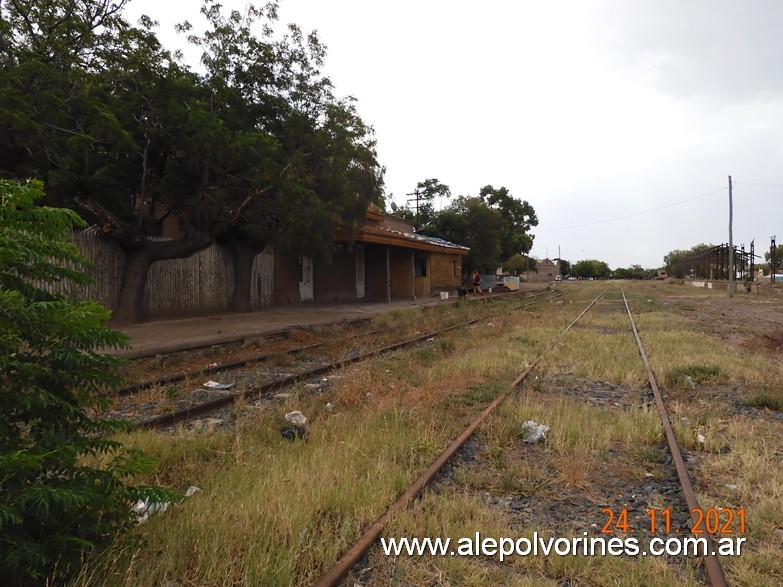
687 376
517 216
471 223
478 393
255 148
495 225
591 268
53 508
634 272
764 399
675 260
778 256
519 263
424 214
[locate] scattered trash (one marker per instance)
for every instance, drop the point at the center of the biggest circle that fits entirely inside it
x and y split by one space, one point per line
690 382
329 406
293 432
211 365
215 385
649 475
296 417
534 432
431 339
731 486
491 324
145 507
701 440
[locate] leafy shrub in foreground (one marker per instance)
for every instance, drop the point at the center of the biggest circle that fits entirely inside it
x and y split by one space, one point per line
54 509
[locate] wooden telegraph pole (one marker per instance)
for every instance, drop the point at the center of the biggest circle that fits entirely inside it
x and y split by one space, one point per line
731 243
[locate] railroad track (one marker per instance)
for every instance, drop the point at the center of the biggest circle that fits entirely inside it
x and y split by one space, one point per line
135 355
204 408
355 553
257 358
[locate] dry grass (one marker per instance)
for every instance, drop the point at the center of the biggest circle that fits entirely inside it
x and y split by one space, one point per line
275 512
278 512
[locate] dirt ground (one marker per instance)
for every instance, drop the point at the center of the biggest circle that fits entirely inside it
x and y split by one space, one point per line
752 321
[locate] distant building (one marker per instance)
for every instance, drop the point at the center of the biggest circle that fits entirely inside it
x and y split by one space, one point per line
546 270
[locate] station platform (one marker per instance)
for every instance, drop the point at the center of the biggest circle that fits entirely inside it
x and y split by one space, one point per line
167 336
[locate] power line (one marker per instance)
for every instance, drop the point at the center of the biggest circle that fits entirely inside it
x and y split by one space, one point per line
723 189
769 185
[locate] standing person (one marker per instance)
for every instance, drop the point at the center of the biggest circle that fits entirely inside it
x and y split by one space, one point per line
476 282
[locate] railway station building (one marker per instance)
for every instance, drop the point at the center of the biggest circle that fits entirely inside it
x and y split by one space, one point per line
382 260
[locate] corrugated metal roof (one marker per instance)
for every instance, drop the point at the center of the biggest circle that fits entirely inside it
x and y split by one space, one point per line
412 238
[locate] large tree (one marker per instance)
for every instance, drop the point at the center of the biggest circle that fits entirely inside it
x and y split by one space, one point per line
592 269
518 217
423 214
470 222
113 124
327 164
675 260
495 225
121 128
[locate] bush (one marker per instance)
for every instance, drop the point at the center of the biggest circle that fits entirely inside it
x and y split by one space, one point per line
54 509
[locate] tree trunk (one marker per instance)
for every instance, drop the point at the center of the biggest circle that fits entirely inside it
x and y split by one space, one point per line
134 279
243 256
138 259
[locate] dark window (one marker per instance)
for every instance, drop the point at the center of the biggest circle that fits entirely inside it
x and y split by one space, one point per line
420 267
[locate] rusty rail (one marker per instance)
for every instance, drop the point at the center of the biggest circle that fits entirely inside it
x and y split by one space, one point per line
204 408
341 568
711 560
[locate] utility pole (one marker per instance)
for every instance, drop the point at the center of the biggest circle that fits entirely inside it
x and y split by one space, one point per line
415 193
559 261
731 243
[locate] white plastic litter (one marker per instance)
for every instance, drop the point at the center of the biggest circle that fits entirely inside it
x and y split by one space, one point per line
215 385
534 432
701 440
690 382
144 508
329 406
296 417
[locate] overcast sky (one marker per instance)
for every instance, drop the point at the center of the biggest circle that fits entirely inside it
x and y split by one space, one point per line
618 120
